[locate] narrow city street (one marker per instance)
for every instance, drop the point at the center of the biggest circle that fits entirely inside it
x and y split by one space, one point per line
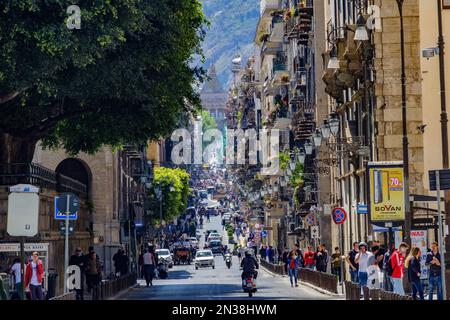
186 283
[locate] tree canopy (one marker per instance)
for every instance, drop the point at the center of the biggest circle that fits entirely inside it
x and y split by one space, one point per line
174 202
125 77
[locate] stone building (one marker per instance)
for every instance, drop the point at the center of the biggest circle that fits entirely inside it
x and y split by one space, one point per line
214 99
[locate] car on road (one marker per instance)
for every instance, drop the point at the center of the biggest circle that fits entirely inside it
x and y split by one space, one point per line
227 217
214 236
193 241
204 258
165 254
215 246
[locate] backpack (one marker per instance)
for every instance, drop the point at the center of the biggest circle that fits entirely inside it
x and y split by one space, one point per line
389 268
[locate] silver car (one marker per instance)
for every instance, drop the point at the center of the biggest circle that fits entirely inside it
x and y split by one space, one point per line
204 258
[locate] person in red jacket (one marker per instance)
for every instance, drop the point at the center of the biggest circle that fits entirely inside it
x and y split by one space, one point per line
397 261
309 258
33 277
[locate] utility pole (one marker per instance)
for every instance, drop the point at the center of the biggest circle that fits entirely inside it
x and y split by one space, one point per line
444 118
405 143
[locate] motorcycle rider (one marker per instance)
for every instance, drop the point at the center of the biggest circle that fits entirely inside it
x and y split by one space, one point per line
248 265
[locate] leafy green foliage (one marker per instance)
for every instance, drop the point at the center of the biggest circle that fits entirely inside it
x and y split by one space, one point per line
174 202
297 175
124 77
284 159
208 122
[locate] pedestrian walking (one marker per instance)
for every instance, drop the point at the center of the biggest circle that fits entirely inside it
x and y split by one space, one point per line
117 260
271 254
321 259
353 266
293 264
336 263
397 264
263 252
433 262
77 259
94 269
149 266
310 258
33 277
14 270
412 263
362 258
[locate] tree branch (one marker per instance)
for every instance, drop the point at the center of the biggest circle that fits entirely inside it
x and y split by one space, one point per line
10 96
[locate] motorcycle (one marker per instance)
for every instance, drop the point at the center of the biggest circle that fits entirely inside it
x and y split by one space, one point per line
163 269
228 260
249 285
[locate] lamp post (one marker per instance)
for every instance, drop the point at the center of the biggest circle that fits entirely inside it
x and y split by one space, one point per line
404 129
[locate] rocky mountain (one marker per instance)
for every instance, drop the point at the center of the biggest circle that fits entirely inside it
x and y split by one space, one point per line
232 30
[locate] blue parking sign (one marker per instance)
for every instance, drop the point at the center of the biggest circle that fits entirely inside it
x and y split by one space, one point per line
61 215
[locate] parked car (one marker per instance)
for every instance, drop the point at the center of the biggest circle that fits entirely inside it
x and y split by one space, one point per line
204 258
165 254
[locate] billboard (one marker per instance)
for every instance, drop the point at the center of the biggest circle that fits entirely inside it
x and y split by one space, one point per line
386 193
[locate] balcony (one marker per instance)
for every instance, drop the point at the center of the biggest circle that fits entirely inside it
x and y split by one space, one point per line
271 48
39 176
268 6
279 71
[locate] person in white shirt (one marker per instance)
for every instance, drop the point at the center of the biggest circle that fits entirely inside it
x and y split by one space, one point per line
149 265
15 272
362 258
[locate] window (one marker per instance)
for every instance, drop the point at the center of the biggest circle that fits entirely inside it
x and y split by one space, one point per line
446 4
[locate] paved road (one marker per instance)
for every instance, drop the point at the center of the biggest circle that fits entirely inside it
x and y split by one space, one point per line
186 283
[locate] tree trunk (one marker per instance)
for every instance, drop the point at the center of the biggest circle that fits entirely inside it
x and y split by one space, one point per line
15 149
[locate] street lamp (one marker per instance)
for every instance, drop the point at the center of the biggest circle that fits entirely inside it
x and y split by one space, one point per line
325 129
317 138
333 63
308 147
334 125
361 33
301 157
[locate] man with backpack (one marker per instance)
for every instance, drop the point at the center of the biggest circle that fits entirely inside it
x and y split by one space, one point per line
387 269
396 267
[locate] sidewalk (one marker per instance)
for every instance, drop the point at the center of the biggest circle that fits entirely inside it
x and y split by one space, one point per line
340 295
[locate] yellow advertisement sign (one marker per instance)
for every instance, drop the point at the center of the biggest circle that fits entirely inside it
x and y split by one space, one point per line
387 201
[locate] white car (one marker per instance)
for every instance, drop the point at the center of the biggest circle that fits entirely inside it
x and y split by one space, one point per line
165 254
214 236
193 241
204 258
227 217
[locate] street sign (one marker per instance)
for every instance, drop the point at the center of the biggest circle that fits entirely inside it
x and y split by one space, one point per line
61 215
68 202
315 232
361 208
23 212
310 219
339 215
444 179
264 234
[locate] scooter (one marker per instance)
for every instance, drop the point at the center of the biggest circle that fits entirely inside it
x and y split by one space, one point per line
249 285
162 268
228 260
